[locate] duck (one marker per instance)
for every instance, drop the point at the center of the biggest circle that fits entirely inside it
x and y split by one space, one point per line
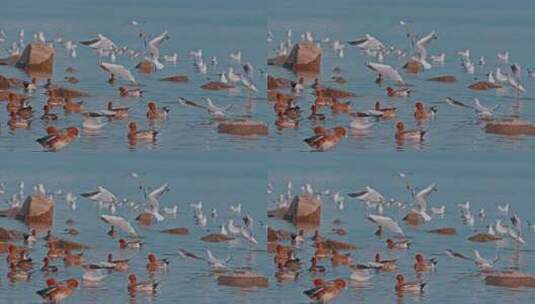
338 107
281 255
403 244
119 265
24 263
30 86
73 259
314 115
30 238
25 112
284 122
386 112
322 252
59 140
47 116
144 135
156 265
314 267
112 232
386 265
340 259
118 112
54 252
73 107
324 142
402 134
402 286
71 79
422 265
71 231
422 113
144 287
136 92
54 100
16 274
16 122
47 267
401 92
13 104
134 244
155 113
58 293
327 291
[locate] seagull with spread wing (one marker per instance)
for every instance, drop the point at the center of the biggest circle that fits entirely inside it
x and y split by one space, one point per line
117 70
154 49
386 71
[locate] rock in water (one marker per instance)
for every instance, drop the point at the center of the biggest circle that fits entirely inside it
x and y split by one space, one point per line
242 127
511 279
243 279
304 57
510 127
305 209
37 209
37 58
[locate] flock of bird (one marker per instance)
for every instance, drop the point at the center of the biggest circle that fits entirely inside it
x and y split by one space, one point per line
289 248
24 97
293 96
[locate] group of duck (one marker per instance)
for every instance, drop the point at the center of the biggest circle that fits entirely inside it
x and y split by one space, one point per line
291 96
21 95
286 246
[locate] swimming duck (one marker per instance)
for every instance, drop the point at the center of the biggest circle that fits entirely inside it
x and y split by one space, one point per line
422 113
136 92
156 265
314 115
119 265
58 293
73 107
155 113
145 287
386 265
16 122
326 292
144 135
338 107
340 259
47 115
401 133
403 244
327 141
16 274
118 112
402 286
422 264
47 267
315 267
73 259
386 112
402 92
60 140
134 244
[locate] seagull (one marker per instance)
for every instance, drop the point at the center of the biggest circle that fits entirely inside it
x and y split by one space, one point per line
171 211
421 49
248 84
215 111
516 236
117 70
464 54
483 112
438 58
482 263
386 71
501 229
368 42
214 263
246 234
232 228
119 222
438 211
531 73
235 209
102 44
368 195
469 67
93 123
154 49
420 199
386 222
491 78
516 84
236 56
504 209
482 60
503 57
101 195
500 77
516 70
465 206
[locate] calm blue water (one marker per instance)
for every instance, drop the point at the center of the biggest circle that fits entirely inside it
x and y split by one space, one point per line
201 165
